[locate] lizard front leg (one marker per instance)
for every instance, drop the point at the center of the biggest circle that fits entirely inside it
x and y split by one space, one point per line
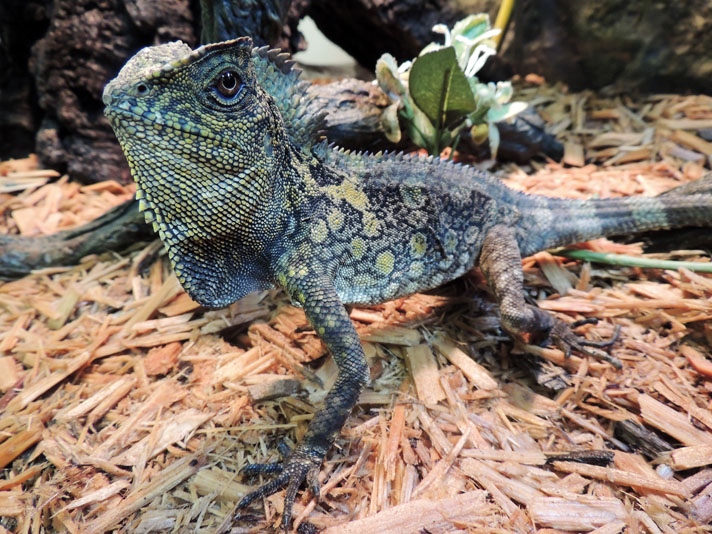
501 263
315 293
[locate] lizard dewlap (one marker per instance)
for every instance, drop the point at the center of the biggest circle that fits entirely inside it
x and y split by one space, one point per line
244 196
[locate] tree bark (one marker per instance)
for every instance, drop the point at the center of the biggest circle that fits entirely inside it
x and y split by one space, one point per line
85 44
268 22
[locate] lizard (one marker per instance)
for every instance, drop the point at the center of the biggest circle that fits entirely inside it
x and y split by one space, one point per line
232 173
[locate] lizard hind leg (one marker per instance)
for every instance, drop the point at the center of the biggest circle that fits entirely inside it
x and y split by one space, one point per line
501 264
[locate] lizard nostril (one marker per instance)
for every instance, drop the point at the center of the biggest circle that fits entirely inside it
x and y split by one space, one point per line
142 89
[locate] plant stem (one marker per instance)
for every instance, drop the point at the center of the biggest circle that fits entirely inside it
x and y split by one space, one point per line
634 261
503 16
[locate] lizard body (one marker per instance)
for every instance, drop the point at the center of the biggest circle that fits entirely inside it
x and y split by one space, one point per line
243 196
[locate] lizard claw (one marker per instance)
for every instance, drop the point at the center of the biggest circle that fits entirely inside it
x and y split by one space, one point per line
564 338
298 467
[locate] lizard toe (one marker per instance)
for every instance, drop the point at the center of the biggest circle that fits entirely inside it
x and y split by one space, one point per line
297 468
265 490
273 468
565 339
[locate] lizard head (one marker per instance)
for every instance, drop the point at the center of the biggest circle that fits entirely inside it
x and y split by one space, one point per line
204 144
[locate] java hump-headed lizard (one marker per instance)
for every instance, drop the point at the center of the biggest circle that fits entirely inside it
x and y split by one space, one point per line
244 197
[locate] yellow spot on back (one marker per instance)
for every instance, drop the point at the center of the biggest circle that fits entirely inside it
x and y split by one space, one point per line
371 225
319 232
358 247
412 196
416 269
348 192
335 220
385 261
418 244
450 241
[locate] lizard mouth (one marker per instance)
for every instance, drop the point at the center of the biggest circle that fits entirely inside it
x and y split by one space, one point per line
115 113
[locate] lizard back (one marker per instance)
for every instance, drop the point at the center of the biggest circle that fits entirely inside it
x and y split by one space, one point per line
388 225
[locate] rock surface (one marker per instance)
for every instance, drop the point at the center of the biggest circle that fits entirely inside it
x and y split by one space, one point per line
648 46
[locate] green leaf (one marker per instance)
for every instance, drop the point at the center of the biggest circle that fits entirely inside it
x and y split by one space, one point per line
634 261
387 76
493 139
472 26
389 122
438 86
505 111
421 130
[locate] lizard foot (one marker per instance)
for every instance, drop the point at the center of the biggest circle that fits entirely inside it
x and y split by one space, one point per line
564 338
300 465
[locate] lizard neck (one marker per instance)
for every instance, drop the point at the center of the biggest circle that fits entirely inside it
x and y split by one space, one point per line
219 205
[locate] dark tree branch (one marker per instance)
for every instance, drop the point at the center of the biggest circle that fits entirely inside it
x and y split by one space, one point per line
119 228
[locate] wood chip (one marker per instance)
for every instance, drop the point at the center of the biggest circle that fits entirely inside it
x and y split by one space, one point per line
98 495
617 139
689 457
558 277
173 475
122 385
163 435
19 443
520 491
573 154
616 476
220 483
420 515
9 373
586 513
424 370
160 361
478 375
686 124
520 457
392 335
40 387
526 399
164 395
671 422
697 360
273 389
692 141
167 291
11 504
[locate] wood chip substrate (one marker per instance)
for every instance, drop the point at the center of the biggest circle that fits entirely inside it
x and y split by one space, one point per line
126 407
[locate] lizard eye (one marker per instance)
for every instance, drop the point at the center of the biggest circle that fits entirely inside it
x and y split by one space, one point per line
228 84
142 89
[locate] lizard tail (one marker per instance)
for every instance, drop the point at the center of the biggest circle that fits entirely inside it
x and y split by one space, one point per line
553 222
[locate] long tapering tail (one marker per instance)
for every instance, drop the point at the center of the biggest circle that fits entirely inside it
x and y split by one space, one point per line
553 222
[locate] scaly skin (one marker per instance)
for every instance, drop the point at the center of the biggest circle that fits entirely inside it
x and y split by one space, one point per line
243 197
